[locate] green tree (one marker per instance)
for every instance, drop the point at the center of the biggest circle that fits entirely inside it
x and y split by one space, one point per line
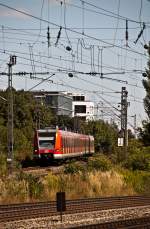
146 84
105 135
27 114
145 133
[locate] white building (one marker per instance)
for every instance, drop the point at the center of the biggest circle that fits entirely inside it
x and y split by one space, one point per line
82 108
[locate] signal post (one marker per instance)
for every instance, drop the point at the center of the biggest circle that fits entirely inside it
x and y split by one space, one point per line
10 137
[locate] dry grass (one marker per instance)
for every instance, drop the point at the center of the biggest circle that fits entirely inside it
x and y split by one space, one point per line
91 184
81 185
13 191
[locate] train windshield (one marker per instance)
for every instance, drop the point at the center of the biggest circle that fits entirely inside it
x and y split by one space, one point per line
47 140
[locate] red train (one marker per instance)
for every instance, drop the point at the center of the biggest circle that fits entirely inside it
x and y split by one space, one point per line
59 144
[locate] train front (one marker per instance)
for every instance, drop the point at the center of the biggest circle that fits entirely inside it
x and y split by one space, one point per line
44 143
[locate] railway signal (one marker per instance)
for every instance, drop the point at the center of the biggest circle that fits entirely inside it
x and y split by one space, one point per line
61 203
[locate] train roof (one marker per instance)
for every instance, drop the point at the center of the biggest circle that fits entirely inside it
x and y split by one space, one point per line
64 132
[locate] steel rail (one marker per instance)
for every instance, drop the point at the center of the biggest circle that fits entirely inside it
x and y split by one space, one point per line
43 209
136 223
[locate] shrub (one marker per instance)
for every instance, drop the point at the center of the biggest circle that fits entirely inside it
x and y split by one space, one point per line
3 164
52 181
139 160
35 186
99 163
73 168
139 180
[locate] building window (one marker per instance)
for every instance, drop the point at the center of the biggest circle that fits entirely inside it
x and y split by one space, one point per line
78 98
80 109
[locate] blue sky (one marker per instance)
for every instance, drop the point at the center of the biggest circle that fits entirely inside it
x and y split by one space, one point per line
94 30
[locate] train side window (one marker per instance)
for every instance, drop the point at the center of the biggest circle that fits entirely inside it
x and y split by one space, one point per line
68 144
75 144
64 144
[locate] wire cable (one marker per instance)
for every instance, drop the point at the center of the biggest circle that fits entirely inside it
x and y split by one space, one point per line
71 30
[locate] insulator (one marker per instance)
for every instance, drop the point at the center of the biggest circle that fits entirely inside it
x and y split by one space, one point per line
70 74
68 48
144 74
146 46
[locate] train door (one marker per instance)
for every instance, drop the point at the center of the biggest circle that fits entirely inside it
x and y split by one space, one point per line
89 145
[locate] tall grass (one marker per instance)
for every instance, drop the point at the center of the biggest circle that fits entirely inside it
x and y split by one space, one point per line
24 188
91 184
139 180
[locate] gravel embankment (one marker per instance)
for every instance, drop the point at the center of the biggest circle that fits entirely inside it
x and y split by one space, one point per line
78 219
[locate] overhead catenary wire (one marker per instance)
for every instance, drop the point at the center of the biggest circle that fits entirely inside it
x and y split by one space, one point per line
20 43
65 26
62 68
85 58
40 24
82 90
140 18
86 63
45 36
24 30
43 80
112 13
71 30
118 9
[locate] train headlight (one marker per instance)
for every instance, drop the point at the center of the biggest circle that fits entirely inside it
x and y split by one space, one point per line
46 151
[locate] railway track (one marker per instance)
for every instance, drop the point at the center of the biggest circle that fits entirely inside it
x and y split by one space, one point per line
15 212
43 171
137 223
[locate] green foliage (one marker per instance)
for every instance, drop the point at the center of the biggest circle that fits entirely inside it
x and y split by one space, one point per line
139 160
3 139
63 122
105 135
134 145
145 132
3 165
22 146
35 186
139 180
73 168
146 84
100 162
52 181
27 114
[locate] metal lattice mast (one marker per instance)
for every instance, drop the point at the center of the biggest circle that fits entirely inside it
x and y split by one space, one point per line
10 137
124 107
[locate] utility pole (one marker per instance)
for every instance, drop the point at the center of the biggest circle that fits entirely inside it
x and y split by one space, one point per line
10 137
124 107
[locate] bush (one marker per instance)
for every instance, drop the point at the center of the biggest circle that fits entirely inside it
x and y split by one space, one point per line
138 160
3 164
139 180
22 147
99 163
73 168
52 181
35 186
